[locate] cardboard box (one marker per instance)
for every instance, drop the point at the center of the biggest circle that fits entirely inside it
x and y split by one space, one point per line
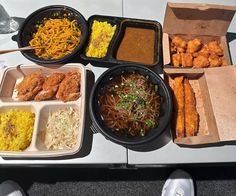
215 93
206 21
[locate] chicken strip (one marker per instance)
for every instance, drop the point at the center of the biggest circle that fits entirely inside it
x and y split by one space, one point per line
215 61
215 48
194 45
204 51
191 115
30 86
50 86
200 62
179 105
176 60
69 89
186 59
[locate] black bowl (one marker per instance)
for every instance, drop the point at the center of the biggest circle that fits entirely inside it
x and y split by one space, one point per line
166 106
29 27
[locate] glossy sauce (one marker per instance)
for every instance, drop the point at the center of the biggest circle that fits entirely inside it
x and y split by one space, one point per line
137 45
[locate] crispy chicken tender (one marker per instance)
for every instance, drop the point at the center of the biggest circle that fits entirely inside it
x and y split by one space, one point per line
186 59
50 86
200 62
215 61
30 86
176 60
194 45
215 48
191 116
178 89
69 89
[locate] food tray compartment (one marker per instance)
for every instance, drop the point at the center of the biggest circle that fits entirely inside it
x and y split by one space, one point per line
42 129
206 127
107 59
148 31
40 108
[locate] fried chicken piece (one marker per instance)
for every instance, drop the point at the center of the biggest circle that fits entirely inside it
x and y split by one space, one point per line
200 62
69 89
186 59
204 51
191 115
179 42
50 86
215 61
30 86
194 45
178 89
176 60
215 48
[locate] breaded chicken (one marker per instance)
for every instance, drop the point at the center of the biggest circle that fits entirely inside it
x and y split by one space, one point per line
176 60
179 42
50 86
69 89
200 62
215 48
179 105
194 45
30 86
191 116
215 61
204 51
186 59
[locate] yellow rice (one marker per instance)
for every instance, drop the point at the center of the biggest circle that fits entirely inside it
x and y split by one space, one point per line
100 38
16 128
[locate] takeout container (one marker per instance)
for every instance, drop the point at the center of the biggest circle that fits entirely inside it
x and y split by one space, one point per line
215 93
29 27
205 21
110 59
165 114
12 76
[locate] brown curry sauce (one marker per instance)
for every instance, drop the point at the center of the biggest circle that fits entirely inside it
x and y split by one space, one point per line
137 45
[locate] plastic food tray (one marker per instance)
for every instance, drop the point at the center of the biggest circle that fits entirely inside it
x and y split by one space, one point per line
110 59
12 76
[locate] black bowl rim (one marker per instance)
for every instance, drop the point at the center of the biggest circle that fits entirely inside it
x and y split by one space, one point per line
65 58
141 141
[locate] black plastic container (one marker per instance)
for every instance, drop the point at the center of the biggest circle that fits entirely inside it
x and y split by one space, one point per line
29 27
110 59
166 105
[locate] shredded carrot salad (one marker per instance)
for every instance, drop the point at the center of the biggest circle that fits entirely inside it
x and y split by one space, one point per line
57 37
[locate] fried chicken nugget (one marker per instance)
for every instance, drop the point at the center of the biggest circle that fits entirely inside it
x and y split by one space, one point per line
69 89
186 59
30 86
200 62
50 86
179 42
215 61
179 105
204 51
191 115
176 60
194 45
215 48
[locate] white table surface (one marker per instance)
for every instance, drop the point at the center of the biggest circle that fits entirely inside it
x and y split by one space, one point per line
172 153
104 151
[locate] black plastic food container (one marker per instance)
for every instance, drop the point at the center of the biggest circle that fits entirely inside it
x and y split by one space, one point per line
29 27
166 105
110 59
